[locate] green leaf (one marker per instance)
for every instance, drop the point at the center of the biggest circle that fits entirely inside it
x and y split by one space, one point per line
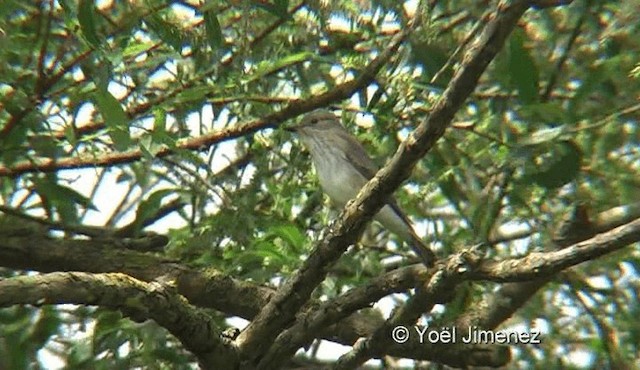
267 250
552 112
68 194
193 94
136 48
290 234
522 68
560 166
48 325
150 206
123 177
375 99
214 31
278 8
158 139
115 118
282 4
147 147
63 199
267 67
166 31
70 135
159 120
159 132
79 354
44 145
433 57
589 85
13 100
543 136
87 22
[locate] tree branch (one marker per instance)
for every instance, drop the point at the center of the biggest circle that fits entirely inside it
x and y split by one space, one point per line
281 310
136 299
443 281
32 250
543 264
495 309
38 252
340 92
312 321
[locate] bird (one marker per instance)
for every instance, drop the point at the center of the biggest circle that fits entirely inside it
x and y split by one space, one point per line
343 167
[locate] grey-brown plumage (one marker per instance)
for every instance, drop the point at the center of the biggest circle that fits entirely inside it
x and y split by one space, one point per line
344 167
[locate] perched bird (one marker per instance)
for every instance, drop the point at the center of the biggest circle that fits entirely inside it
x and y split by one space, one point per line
343 168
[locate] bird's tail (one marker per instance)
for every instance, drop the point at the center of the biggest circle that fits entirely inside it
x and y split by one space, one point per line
423 251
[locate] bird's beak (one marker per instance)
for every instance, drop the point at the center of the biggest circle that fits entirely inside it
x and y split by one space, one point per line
292 129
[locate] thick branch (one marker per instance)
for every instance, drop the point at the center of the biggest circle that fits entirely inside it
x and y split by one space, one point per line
37 252
443 281
134 298
531 267
281 310
310 323
33 251
494 310
26 249
543 264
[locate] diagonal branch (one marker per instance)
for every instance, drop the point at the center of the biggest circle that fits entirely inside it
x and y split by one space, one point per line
311 322
460 267
543 264
494 310
442 282
281 310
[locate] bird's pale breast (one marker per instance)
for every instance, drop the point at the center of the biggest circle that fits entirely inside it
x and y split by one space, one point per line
338 178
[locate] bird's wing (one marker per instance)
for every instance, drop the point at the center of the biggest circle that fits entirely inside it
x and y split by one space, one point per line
363 163
365 166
